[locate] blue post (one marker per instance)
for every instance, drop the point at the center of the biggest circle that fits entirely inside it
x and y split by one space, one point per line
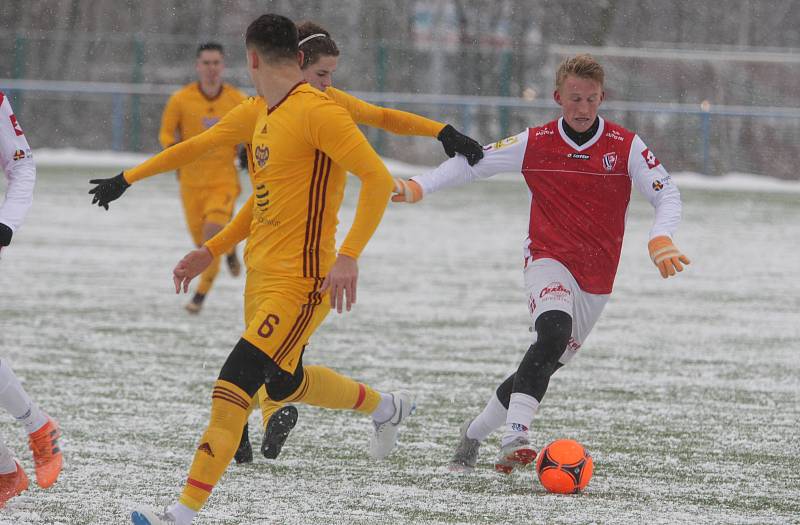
117 122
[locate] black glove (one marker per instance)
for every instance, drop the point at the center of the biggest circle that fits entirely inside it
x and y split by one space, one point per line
454 142
108 190
242 158
5 235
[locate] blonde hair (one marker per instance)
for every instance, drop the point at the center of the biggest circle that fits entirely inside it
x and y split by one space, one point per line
582 66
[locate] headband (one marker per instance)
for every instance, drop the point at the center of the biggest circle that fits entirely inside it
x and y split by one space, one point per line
306 39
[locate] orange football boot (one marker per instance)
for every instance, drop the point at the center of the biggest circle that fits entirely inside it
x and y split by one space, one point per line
46 453
12 484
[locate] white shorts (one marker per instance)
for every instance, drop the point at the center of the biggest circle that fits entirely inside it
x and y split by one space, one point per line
551 286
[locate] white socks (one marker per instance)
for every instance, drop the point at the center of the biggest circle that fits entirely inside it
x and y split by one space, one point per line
183 515
521 410
492 418
385 409
7 463
14 399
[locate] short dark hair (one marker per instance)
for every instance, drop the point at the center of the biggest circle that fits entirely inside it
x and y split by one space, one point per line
317 47
273 36
210 46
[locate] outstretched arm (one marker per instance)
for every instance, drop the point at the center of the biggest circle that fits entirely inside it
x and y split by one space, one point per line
235 127
504 156
405 123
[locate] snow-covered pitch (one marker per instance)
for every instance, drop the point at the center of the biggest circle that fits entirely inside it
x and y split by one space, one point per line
687 393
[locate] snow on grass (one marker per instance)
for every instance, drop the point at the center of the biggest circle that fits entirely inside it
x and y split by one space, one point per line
686 393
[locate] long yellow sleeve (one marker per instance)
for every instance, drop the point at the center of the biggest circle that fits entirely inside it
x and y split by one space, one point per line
169 133
376 188
391 120
236 127
333 131
234 232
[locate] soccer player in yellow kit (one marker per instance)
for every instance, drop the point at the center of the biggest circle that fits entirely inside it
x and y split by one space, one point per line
209 185
303 145
320 59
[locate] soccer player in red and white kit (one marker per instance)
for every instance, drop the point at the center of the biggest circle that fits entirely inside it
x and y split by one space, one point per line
43 433
579 170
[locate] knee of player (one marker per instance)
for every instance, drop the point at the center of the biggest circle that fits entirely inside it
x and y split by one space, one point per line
553 329
284 385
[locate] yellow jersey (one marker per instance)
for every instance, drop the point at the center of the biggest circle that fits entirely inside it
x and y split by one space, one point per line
188 113
302 148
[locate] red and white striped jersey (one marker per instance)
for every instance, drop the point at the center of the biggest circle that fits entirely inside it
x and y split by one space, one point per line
579 195
16 160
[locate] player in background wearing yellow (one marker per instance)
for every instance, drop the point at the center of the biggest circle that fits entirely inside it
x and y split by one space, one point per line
303 146
320 60
210 185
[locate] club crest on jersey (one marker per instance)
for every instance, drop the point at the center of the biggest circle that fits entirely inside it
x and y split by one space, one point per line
579 156
261 155
650 159
609 161
16 126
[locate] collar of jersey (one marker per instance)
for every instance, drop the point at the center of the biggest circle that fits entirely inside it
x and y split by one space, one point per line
273 108
586 145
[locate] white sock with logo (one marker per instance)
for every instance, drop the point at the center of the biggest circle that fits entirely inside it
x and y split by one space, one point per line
385 409
521 410
18 403
492 418
7 463
183 515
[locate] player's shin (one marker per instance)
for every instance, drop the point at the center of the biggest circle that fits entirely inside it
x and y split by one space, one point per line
325 388
229 406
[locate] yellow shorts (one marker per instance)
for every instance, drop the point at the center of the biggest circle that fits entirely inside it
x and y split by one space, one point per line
207 205
281 313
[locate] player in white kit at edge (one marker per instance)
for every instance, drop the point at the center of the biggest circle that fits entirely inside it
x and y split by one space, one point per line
579 170
17 164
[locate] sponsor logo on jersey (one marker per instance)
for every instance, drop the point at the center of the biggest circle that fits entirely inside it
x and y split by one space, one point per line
650 159
555 290
19 155
545 131
615 135
16 126
261 155
579 156
659 184
573 345
209 121
501 143
610 160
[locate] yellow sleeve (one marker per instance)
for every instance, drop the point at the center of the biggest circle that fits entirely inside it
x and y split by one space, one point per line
333 131
170 122
391 120
234 232
236 127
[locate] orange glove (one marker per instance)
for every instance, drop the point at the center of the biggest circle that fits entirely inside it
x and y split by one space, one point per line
666 256
406 191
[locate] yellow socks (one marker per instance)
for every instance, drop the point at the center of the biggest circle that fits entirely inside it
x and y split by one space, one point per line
229 409
325 388
207 277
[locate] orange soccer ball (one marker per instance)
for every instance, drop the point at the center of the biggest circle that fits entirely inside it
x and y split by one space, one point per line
564 467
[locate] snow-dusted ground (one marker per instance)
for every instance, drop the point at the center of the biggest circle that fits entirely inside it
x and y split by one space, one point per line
686 394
